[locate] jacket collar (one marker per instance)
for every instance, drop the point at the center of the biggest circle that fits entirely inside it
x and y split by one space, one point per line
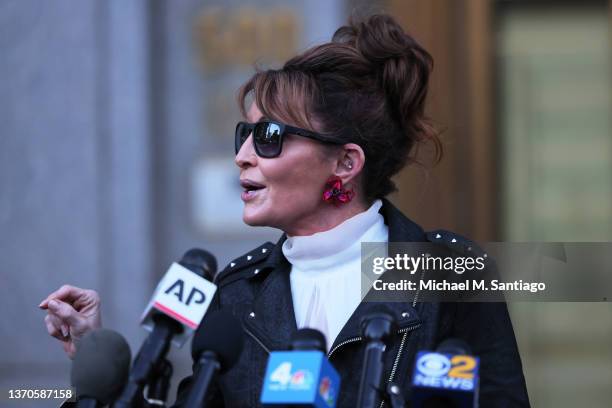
401 228
273 318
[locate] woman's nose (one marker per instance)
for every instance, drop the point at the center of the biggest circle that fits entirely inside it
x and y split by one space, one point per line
246 155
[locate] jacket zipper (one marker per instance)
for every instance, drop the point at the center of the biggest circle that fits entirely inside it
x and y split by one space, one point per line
403 342
351 340
257 340
359 338
399 354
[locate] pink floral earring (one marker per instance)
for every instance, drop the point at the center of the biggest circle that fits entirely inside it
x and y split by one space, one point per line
336 194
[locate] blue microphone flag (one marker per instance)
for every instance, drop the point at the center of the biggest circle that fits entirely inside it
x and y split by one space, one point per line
300 378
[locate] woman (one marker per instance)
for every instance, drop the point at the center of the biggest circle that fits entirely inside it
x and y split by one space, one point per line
322 138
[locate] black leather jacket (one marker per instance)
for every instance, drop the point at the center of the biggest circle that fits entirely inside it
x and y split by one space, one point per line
255 288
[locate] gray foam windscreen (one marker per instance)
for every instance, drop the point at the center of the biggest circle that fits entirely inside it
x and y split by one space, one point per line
101 365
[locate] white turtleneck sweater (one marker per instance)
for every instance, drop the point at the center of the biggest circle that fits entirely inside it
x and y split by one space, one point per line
326 271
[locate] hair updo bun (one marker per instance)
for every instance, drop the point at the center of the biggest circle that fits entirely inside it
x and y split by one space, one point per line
367 86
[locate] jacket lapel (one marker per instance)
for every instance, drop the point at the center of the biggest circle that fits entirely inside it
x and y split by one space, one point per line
272 319
401 229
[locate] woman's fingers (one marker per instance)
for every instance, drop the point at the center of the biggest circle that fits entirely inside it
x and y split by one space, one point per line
62 327
66 293
84 301
88 302
51 328
55 327
69 348
71 312
64 312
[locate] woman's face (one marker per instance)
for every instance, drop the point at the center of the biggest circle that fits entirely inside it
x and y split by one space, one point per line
284 192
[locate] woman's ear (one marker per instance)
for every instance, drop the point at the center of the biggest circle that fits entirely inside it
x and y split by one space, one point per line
350 162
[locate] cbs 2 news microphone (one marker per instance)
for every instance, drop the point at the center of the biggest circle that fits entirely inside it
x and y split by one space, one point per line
447 377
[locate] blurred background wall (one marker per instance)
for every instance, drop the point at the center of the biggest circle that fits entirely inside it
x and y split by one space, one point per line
116 153
523 90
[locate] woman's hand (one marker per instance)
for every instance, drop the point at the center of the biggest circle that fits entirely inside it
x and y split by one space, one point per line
71 313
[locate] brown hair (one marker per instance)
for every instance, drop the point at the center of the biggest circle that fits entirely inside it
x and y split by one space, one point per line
367 86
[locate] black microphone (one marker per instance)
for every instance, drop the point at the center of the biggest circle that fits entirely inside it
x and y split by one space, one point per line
100 368
447 377
158 385
215 348
376 328
177 307
309 339
201 262
454 346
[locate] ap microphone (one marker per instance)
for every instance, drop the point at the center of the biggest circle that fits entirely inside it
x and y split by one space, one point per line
216 347
183 295
302 377
159 383
447 377
179 303
201 262
376 328
100 368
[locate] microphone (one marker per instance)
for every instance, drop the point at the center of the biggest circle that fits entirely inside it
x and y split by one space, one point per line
201 262
177 307
376 328
308 339
216 347
447 377
303 376
157 387
100 368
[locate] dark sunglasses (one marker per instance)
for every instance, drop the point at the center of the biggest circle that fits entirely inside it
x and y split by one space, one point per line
268 137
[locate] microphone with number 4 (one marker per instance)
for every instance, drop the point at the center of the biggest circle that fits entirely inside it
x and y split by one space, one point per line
302 377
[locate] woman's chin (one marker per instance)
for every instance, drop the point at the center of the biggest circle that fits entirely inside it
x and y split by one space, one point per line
253 218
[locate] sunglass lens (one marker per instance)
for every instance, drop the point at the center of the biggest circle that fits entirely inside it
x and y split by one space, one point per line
267 139
242 134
